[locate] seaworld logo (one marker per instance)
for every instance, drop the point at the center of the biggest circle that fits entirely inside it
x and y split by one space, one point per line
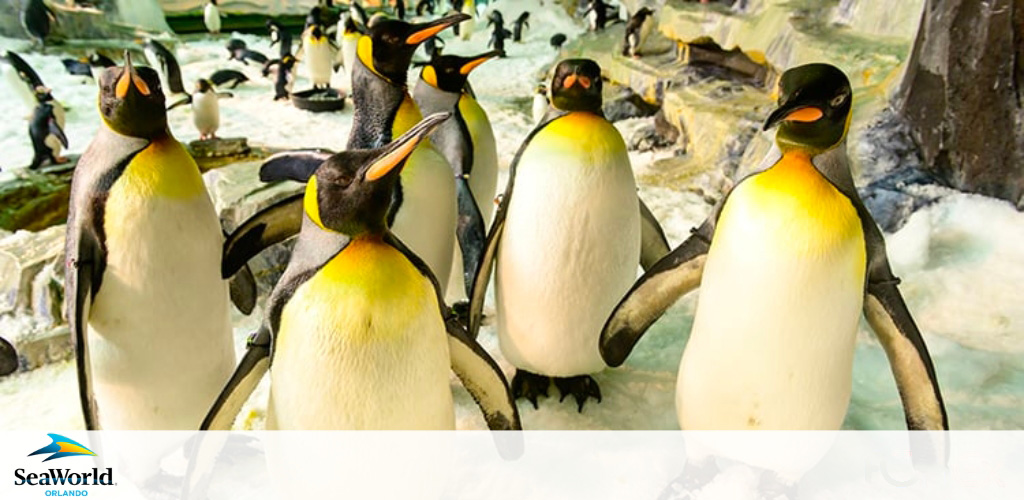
59 448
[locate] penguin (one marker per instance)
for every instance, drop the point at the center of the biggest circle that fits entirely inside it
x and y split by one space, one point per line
211 17
36 18
521 23
280 35
400 10
498 37
787 263
348 42
540 103
557 272
8 358
467 142
557 40
22 79
244 55
145 302
223 77
285 76
356 334
597 15
98 60
424 7
205 108
495 18
77 67
424 210
318 55
637 29
46 129
163 59
467 27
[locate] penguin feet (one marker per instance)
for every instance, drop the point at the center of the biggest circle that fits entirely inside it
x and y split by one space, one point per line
581 388
530 386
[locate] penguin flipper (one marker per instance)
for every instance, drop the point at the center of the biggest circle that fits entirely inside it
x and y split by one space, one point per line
57 132
184 100
296 166
81 283
673 276
243 382
653 244
272 225
482 377
472 234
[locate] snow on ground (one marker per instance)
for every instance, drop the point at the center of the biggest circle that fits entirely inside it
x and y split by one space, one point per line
961 259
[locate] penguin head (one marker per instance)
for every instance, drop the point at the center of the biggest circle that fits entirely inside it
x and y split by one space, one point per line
449 73
576 86
316 33
203 86
388 49
814 105
131 101
351 192
644 12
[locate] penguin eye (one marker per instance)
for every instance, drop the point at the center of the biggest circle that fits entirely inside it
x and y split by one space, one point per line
839 99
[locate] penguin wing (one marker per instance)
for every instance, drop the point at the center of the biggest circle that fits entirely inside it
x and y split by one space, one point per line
243 382
653 244
296 166
673 276
184 100
24 71
56 131
85 250
490 249
273 224
479 373
242 288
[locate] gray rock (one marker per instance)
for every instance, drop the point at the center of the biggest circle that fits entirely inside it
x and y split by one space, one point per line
43 347
628 104
962 95
892 199
23 256
35 200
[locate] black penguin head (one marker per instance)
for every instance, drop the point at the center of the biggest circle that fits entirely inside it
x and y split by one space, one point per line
644 12
316 32
213 2
235 44
131 101
43 94
576 86
449 73
203 86
388 48
351 192
814 106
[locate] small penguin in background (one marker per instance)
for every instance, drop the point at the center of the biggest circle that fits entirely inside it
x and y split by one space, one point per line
637 29
540 103
223 77
348 43
22 80
78 67
205 108
400 9
557 40
467 142
357 335
425 7
597 15
318 55
164 61
98 60
520 24
466 28
36 18
46 129
238 50
557 269
495 18
787 263
147 308
285 69
498 37
211 17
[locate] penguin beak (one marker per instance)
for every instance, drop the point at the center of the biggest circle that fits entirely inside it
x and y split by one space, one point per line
130 79
421 32
396 153
795 112
471 65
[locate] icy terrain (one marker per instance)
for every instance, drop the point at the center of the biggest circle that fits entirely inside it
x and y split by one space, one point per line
961 259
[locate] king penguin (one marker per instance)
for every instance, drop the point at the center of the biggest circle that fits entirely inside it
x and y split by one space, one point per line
466 29
423 212
348 41
787 263
467 141
318 54
145 302
566 241
356 334
211 17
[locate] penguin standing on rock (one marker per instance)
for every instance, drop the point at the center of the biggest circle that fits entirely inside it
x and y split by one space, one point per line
357 335
557 272
36 18
467 142
423 213
637 29
145 302
211 17
285 71
205 108
46 129
787 263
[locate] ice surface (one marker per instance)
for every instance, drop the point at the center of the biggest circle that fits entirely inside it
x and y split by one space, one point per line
961 259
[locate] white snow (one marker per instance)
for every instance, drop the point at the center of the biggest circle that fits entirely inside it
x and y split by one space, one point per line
961 259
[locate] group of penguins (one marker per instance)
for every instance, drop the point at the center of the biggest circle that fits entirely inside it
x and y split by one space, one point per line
358 332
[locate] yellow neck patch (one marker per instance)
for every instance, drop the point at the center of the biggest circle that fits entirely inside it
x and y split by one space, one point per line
364 51
407 116
163 169
429 75
311 204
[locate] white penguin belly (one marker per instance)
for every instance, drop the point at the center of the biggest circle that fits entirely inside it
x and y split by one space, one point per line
349 46
206 112
211 18
570 247
318 60
362 346
540 107
773 336
159 330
